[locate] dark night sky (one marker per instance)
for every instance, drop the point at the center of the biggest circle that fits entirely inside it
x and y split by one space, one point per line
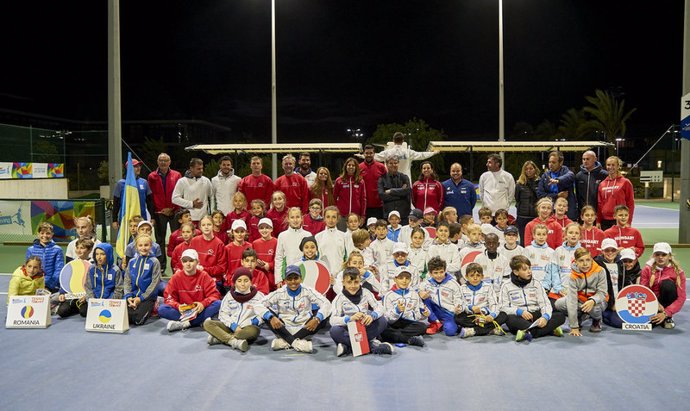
345 64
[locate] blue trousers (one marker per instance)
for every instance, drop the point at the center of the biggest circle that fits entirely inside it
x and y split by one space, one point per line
612 319
340 335
446 317
170 313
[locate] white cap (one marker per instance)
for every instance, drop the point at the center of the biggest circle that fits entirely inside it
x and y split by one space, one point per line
627 254
400 248
266 221
662 248
394 212
191 253
371 221
608 243
403 269
144 222
238 224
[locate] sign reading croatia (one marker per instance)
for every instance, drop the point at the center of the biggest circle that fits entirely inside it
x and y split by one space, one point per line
636 305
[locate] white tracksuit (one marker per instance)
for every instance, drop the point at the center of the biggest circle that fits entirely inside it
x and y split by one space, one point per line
343 308
295 309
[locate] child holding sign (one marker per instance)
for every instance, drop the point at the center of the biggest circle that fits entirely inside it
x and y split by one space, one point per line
667 280
191 287
357 304
69 307
141 279
27 279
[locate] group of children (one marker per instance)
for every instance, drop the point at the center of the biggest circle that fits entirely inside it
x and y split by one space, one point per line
438 273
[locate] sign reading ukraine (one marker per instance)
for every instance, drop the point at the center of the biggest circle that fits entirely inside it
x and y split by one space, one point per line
636 305
107 316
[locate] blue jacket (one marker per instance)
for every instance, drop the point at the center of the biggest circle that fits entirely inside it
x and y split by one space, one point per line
104 282
462 196
142 277
566 182
52 261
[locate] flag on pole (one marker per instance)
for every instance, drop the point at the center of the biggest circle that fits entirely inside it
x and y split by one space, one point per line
129 207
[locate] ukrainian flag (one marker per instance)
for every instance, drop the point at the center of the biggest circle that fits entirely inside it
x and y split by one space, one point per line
129 207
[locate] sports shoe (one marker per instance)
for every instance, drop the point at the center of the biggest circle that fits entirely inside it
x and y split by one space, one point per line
417 341
669 324
522 335
341 350
467 332
381 348
279 344
211 340
433 327
302 345
558 332
595 327
241 345
178 325
498 331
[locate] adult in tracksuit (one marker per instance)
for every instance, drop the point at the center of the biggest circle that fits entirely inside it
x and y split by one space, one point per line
524 300
394 191
350 193
371 170
458 192
587 180
162 182
559 181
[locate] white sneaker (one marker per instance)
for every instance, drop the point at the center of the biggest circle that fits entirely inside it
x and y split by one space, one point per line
178 325
211 340
241 345
279 344
341 350
302 345
467 332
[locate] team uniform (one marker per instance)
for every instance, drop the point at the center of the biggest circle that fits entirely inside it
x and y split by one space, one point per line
345 305
142 277
287 250
406 323
444 298
484 297
518 296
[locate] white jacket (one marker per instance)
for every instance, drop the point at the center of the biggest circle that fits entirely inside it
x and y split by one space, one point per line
295 309
445 294
540 258
419 257
497 189
331 243
287 250
495 271
412 311
405 156
343 308
368 277
448 252
532 297
383 252
388 275
223 190
509 254
235 314
484 297
188 189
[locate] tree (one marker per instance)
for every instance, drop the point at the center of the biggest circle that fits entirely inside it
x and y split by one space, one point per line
418 134
608 115
574 125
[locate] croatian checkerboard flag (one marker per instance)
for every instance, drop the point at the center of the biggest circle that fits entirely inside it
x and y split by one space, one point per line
358 338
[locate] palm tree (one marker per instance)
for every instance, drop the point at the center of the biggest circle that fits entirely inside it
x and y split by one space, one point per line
608 115
574 125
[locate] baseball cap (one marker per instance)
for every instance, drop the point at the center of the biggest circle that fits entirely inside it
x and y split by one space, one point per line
371 221
627 254
292 269
608 243
191 253
394 212
511 229
402 270
430 210
135 162
238 224
662 248
266 221
416 214
400 248
144 222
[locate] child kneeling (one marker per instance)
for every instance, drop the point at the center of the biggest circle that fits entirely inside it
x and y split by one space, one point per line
288 312
238 322
193 287
481 315
526 304
587 293
357 304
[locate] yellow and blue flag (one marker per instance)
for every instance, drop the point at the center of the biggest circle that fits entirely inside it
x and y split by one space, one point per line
129 207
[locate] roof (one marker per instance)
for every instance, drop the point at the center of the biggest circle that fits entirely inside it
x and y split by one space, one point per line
276 148
513 146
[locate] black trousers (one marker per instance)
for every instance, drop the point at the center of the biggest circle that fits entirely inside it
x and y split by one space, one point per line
467 321
286 335
516 322
139 315
402 330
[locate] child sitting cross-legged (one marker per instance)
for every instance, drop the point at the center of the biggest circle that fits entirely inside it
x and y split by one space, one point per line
357 304
288 312
481 315
238 320
441 294
404 311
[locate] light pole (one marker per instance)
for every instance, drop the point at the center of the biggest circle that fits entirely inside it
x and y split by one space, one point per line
501 111
274 106
619 140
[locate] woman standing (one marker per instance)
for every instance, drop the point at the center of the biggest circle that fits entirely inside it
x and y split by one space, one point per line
614 190
427 191
350 193
323 187
526 197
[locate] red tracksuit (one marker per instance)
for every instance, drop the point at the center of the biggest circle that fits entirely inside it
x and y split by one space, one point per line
371 173
266 251
234 215
296 191
254 188
175 259
427 193
233 256
312 225
211 255
175 239
186 289
613 192
259 281
253 228
626 237
279 219
350 196
591 240
555 236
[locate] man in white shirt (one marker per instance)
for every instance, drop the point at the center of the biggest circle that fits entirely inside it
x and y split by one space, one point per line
496 186
194 191
224 186
404 154
305 168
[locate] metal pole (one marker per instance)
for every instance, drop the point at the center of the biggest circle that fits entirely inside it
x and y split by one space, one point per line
501 110
684 215
114 104
274 105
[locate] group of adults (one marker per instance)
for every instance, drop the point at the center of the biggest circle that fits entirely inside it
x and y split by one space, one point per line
378 185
